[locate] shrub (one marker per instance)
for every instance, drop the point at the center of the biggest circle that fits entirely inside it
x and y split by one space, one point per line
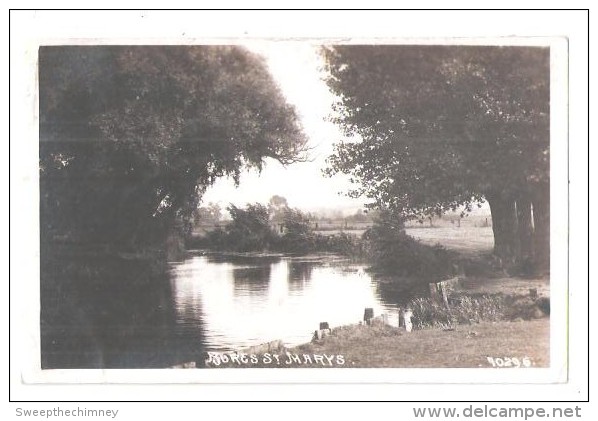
298 234
427 313
392 250
249 229
464 310
468 309
341 243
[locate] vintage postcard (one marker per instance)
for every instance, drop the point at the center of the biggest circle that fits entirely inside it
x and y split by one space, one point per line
285 210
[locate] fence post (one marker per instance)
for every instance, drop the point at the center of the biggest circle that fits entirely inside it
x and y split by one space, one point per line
368 315
407 317
439 290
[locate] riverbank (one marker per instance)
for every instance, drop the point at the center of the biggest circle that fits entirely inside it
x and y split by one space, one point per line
463 346
483 314
517 344
491 322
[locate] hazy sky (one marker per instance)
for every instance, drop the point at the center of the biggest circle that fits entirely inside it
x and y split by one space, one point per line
297 68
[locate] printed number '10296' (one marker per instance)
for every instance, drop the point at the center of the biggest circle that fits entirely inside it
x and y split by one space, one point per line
510 362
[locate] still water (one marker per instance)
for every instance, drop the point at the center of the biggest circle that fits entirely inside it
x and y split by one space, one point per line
113 312
240 301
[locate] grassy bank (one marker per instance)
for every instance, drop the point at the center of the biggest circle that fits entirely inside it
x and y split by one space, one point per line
380 346
507 326
488 313
508 329
465 346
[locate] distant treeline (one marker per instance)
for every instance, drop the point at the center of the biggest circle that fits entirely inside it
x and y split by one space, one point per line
257 227
385 244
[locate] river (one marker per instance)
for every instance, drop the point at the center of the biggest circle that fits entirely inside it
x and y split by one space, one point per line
240 301
119 313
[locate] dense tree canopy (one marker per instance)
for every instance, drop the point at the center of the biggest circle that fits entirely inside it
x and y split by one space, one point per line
438 127
249 229
131 136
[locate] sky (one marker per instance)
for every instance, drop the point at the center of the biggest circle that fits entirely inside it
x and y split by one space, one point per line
297 68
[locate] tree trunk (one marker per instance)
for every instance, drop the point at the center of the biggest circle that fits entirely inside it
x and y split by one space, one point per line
541 210
525 229
504 226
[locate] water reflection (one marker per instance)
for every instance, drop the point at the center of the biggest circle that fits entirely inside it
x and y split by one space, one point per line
399 293
119 313
300 271
299 275
113 313
242 302
251 280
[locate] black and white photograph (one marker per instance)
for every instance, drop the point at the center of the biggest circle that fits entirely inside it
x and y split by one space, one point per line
189 218
284 209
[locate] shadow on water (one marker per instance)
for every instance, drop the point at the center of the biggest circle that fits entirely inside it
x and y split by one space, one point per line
110 312
398 292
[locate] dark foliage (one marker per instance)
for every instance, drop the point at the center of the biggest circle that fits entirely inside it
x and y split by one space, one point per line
131 136
298 235
249 229
434 128
257 228
391 250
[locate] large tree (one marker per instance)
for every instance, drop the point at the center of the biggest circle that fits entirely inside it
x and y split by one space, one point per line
131 136
439 127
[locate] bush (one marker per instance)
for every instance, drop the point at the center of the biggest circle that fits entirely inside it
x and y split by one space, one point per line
427 313
468 309
393 251
464 310
249 229
342 243
298 234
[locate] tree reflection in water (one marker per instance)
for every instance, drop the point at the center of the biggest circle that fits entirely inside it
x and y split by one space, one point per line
252 280
299 275
110 312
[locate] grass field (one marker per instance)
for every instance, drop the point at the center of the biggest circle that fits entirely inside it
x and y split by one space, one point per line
468 240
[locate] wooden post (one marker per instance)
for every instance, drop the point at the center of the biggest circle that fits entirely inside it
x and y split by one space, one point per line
439 290
320 334
368 315
407 317
434 294
444 294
